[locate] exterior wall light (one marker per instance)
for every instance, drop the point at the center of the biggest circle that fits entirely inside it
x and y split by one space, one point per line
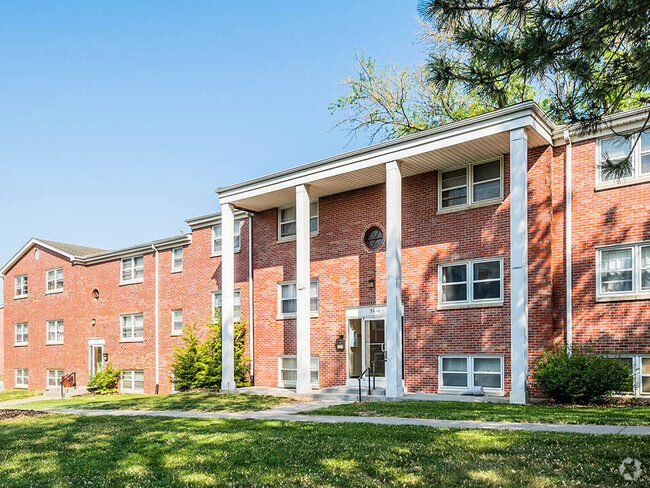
340 343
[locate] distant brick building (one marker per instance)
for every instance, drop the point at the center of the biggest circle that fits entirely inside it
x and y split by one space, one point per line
442 259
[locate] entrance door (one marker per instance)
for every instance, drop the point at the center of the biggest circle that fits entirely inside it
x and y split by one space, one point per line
96 358
367 343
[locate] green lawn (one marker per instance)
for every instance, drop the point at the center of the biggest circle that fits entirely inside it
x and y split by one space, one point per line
8 395
199 401
70 450
494 412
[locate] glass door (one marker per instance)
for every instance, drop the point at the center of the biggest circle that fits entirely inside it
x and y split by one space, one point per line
355 348
96 358
376 345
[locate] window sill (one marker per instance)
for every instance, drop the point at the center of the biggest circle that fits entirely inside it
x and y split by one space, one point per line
462 306
218 254
176 334
458 391
134 282
132 392
21 387
54 292
22 344
295 316
623 298
293 238
21 297
176 271
132 340
54 343
622 183
460 208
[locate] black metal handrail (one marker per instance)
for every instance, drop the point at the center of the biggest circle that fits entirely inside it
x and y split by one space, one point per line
365 372
74 382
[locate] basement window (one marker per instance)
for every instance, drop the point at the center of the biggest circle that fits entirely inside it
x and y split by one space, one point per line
132 381
22 378
54 377
288 371
460 373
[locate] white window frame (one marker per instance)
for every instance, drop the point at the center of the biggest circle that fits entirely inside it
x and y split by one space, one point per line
176 331
312 313
54 276
289 383
134 269
470 372
470 302
132 374
637 373
470 187
54 376
23 335
635 159
637 271
216 304
236 233
55 326
131 326
21 378
21 284
176 268
292 237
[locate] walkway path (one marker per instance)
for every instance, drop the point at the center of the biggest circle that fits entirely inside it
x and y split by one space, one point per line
288 414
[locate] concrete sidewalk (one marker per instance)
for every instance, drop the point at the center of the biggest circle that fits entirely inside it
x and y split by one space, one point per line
287 414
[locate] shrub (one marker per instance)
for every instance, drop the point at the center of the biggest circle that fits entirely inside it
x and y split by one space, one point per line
580 377
105 380
197 364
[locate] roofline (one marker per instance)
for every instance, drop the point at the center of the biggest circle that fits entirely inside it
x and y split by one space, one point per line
159 244
627 120
212 219
527 105
23 250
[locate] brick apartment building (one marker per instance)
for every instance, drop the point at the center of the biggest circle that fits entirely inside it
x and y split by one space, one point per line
457 254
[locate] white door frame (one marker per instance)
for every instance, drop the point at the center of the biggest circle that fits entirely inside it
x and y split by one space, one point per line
92 344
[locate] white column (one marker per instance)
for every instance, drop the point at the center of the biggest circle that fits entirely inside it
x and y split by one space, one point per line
303 343
394 385
519 266
227 297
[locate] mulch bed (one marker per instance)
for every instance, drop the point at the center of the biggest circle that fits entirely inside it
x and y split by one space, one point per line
12 414
611 402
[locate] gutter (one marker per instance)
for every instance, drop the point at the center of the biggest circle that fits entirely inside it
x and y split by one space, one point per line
156 321
568 175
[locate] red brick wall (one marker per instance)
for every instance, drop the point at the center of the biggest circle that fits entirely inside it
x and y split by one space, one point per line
2 341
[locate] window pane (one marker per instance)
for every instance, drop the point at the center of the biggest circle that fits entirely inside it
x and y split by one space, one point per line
616 274
457 196
454 364
289 291
313 376
487 171
645 164
454 274
313 224
451 179
487 380
620 259
487 271
288 214
288 229
487 290
487 365
289 363
614 148
645 384
616 282
138 326
216 229
454 379
289 306
454 293
289 375
487 191
645 366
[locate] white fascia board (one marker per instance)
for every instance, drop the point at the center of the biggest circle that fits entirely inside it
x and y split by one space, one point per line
127 252
27 247
375 155
628 121
212 219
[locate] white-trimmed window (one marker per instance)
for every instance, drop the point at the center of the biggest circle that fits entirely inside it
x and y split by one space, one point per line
216 304
132 381
54 280
132 270
474 184
22 378
132 327
217 241
623 271
616 149
287 221
54 377
177 322
55 332
288 298
463 372
21 334
177 260
471 282
288 371
21 286
639 367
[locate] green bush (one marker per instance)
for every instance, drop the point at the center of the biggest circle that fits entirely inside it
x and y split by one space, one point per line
197 364
580 377
105 380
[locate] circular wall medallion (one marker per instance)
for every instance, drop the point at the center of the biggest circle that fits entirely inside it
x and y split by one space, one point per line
374 238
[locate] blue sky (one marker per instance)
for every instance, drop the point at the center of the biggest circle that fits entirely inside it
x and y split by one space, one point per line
119 119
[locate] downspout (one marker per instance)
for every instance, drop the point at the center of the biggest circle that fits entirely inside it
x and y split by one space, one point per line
568 240
251 308
156 322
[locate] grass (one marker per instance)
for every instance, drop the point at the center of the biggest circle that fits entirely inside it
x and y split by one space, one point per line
494 412
8 395
71 450
196 401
